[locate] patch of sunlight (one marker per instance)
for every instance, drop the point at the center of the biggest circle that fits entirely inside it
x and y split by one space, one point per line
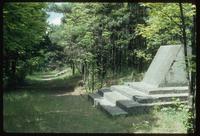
59 75
76 92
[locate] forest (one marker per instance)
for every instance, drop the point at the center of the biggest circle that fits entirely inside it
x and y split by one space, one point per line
97 41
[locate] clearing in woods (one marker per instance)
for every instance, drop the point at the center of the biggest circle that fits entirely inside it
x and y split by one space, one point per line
59 105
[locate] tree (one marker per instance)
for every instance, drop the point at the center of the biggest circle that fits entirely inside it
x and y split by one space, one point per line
23 27
190 73
98 37
163 25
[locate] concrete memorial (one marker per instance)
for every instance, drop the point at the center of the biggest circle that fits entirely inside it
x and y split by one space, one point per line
164 81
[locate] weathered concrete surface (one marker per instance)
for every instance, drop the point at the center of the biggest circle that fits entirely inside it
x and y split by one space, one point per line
113 110
127 90
141 86
176 75
167 67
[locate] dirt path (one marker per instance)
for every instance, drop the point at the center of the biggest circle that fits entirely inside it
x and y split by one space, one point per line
61 85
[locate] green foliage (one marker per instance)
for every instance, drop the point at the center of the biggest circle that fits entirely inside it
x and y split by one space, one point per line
23 27
173 110
102 41
117 35
97 38
93 38
192 65
163 24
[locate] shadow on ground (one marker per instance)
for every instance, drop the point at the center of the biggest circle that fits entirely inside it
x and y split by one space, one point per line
65 114
54 86
45 109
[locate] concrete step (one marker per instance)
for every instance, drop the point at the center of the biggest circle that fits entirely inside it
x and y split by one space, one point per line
147 88
105 105
104 90
169 90
161 98
115 96
126 90
113 110
133 107
140 86
104 102
94 96
146 98
123 100
97 99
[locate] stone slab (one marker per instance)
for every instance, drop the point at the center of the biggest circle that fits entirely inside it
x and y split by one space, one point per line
115 96
103 90
167 67
168 90
161 98
93 96
133 107
113 110
148 89
104 102
141 86
126 90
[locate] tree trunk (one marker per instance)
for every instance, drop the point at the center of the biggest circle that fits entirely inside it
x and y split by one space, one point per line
114 59
73 68
190 96
93 76
192 86
13 73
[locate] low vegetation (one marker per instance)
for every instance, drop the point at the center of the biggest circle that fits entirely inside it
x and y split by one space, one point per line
50 106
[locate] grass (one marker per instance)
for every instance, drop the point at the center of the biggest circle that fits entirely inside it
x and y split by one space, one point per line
170 120
37 107
50 75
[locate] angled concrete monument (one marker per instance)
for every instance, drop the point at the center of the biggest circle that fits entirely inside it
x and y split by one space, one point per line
164 80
